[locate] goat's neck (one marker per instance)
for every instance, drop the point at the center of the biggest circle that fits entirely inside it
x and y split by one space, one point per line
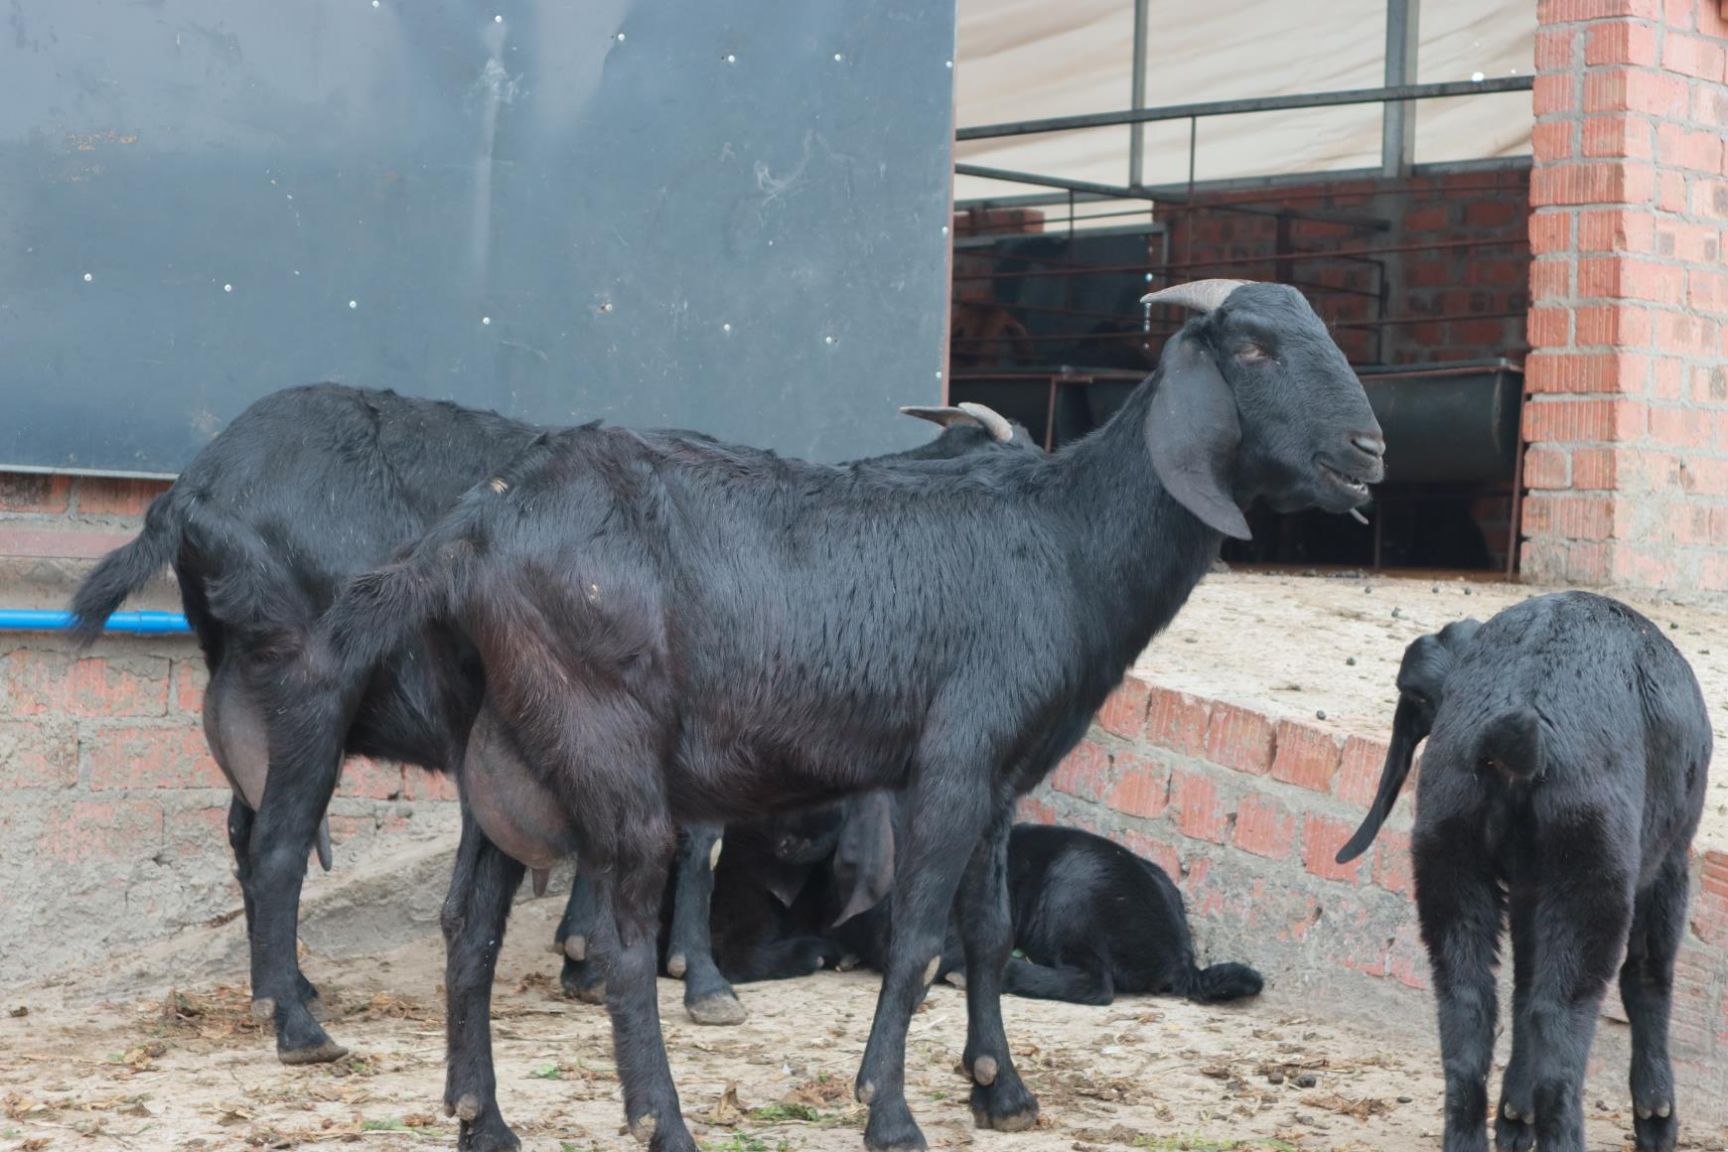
1132 537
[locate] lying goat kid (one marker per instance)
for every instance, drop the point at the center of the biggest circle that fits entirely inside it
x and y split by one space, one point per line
1091 920
1568 748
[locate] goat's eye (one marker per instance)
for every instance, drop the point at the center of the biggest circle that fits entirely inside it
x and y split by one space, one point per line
1252 354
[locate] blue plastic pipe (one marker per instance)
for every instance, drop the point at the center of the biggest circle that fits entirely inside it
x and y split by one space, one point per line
134 623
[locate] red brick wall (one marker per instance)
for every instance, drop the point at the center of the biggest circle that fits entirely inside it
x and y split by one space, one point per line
1628 418
110 805
1247 811
1455 265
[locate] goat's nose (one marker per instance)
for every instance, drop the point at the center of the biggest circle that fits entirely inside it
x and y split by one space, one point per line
1374 446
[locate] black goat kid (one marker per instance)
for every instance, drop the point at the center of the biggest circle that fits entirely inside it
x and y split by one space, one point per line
1563 782
302 490
675 631
1091 920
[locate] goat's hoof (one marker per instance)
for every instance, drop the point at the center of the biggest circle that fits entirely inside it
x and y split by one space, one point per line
677 965
326 1052
984 1070
264 1010
643 1128
846 963
576 948
1656 1129
721 1009
893 1130
486 1132
1004 1105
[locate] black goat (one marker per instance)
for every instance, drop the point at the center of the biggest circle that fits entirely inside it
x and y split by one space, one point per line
1562 784
302 490
681 631
1091 920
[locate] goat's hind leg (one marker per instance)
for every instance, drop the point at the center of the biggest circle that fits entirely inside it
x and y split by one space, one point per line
630 960
582 977
690 955
302 762
1515 1120
1583 911
1647 990
240 818
473 920
999 1098
1458 904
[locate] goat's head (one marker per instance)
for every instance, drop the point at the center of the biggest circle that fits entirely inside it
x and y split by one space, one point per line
856 835
1256 401
1428 661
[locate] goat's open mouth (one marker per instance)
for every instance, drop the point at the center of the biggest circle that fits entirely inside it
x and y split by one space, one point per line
1356 488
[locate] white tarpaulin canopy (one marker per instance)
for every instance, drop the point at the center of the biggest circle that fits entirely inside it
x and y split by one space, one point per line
1031 59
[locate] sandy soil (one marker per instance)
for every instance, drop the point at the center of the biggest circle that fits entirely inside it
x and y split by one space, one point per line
1299 647
149 1067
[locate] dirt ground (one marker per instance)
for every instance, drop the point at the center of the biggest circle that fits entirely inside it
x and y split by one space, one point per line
104 1062
1300 646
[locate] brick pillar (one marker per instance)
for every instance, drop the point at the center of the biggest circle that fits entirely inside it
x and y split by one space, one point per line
1628 414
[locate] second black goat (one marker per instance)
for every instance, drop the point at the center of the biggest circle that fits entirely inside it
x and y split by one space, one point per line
1564 779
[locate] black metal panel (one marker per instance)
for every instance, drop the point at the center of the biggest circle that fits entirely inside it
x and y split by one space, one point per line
1448 423
727 215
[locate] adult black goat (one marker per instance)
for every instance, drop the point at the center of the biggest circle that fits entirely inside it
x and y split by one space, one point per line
676 632
1091 920
1563 781
302 490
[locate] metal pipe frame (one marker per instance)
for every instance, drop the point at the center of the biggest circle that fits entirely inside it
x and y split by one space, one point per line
1381 95
1269 184
1398 118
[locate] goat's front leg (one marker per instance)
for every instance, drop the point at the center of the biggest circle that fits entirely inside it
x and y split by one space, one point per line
944 830
475 912
690 953
582 976
631 963
1647 990
999 1099
1458 905
279 841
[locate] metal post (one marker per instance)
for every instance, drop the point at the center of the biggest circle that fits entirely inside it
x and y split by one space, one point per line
1137 99
1398 120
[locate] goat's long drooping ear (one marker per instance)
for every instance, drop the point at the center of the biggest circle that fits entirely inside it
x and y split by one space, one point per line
864 858
965 412
1421 688
1193 433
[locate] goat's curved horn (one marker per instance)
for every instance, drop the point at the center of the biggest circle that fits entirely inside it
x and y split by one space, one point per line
938 415
1200 295
993 421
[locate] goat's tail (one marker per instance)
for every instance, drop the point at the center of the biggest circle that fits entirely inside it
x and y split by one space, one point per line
1511 743
1222 982
128 568
380 611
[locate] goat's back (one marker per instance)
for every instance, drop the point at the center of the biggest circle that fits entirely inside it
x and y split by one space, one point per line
1575 701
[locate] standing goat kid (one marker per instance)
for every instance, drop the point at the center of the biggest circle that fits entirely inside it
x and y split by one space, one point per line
1563 781
679 632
